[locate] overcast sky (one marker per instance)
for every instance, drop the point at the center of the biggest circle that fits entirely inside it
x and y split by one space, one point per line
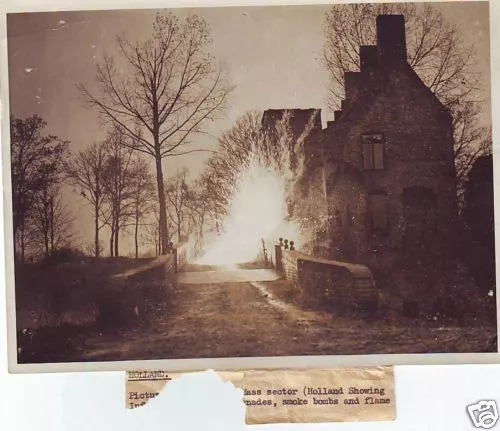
272 55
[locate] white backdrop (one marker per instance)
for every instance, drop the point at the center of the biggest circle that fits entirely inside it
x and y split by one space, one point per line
428 397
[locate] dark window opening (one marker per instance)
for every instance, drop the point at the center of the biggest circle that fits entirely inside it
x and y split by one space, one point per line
373 152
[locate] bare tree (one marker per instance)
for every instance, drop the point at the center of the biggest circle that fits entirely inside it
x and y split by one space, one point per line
215 195
178 194
118 184
25 236
86 171
143 197
36 161
150 235
52 221
91 250
168 87
232 157
198 205
274 144
436 52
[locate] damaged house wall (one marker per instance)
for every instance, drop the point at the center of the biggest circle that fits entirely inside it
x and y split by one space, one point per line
383 175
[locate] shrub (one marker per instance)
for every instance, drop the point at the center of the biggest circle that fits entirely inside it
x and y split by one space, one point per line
63 255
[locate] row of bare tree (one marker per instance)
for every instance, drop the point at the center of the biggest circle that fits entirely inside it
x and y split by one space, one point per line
110 175
164 91
117 183
40 219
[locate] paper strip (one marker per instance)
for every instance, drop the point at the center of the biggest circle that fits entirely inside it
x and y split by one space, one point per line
292 396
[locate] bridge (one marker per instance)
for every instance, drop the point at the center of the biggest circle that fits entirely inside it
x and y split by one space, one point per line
240 310
245 311
202 274
316 281
320 280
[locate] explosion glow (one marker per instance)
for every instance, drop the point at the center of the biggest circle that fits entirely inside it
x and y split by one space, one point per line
257 211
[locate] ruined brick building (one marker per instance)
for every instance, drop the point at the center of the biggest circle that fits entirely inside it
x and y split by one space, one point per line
379 181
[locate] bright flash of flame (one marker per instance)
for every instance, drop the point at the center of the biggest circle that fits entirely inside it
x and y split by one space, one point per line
257 211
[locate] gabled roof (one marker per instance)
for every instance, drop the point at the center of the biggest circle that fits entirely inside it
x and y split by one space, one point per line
377 82
378 64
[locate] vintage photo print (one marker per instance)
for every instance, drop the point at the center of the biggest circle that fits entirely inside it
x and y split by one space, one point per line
261 186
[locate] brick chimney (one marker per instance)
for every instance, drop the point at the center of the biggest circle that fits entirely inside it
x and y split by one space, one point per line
368 58
391 38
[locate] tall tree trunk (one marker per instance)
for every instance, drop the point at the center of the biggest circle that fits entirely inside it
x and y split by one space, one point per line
117 232
52 226
96 229
159 240
163 206
46 240
200 235
179 227
112 235
136 234
118 204
112 238
117 235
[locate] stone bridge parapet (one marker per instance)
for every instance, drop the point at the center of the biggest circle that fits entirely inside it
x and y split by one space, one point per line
138 294
325 281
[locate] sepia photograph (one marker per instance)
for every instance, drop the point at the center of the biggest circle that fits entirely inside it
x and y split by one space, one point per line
250 182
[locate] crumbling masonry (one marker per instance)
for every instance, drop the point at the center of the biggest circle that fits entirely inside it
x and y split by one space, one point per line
379 185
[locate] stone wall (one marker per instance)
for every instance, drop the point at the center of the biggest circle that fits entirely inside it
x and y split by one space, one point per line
137 296
290 266
325 281
142 293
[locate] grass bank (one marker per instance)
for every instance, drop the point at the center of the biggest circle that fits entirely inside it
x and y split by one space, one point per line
59 305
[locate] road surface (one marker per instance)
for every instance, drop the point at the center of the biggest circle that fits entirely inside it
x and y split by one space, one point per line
231 315
229 276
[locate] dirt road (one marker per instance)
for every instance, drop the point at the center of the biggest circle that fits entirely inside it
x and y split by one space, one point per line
243 319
